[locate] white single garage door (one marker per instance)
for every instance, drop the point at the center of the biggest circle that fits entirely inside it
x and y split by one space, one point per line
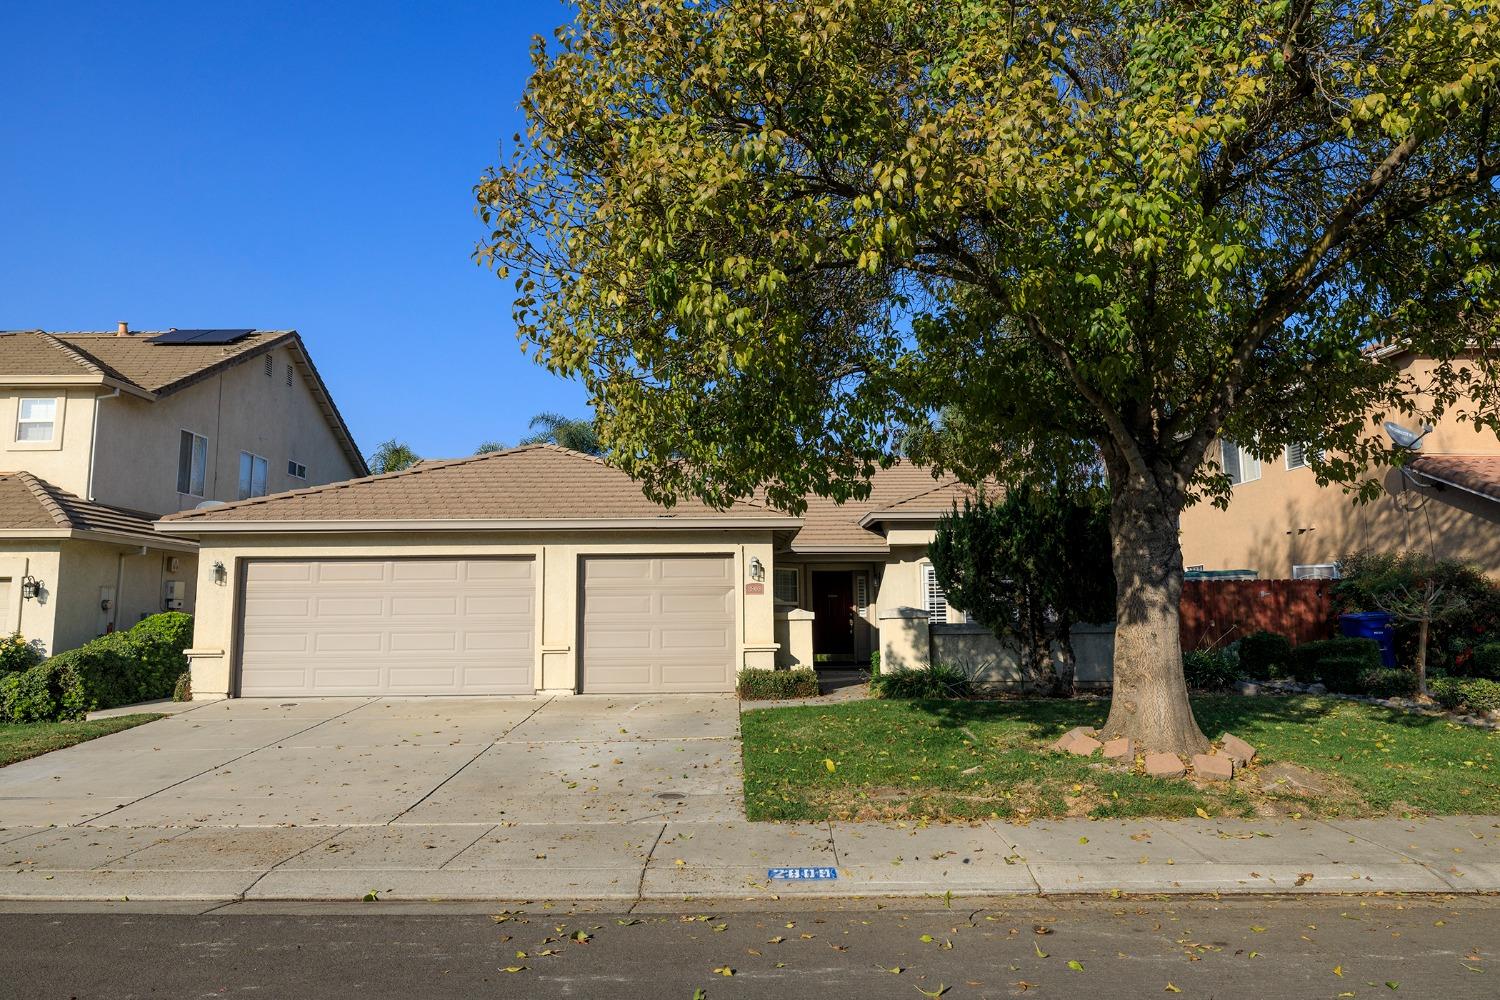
393 626
658 623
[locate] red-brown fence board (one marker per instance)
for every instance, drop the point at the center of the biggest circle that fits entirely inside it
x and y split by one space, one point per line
1216 612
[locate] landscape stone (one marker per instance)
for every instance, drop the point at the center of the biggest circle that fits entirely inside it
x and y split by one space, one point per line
1084 746
1246 688
1316 689
1072 740
1237 749
1213 766
1120 749
1164 765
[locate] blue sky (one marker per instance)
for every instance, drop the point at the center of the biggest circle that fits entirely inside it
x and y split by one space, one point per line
276 165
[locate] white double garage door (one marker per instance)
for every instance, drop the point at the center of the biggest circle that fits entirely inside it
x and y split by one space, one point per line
416 626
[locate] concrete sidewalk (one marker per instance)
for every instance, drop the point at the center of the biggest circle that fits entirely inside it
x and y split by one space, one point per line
647 861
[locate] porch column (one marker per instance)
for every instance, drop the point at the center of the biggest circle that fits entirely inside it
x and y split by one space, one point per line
904 640
794 634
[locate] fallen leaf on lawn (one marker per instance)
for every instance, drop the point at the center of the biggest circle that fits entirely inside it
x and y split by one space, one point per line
514 968
925 939
1202 813
1392 985
581 936
1039 952
1171 989
933 993
1257 929
1075 965
775 940
895 970
700 995
828 763
1338 970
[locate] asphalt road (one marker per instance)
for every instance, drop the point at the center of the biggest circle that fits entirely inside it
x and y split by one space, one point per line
1255 948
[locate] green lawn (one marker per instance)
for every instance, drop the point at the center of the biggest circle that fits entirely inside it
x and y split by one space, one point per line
32 739
905 759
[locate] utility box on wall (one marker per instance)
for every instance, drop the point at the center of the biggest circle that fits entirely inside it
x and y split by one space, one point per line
175 593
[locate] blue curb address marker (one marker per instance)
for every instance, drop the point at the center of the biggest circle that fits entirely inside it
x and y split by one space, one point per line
802 874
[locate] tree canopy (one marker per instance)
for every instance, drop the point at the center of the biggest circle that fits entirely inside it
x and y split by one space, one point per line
768 235
392 456
575 433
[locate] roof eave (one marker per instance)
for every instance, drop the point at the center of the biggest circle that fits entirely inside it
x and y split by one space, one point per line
877 516
66 381
1457 486
206 525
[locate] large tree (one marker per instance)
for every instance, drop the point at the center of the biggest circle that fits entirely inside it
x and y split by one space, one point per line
767 234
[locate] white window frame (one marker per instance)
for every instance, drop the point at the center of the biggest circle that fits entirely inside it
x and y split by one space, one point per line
1316 571
934 601
193 456
240 490
782 573
53 425
1244 462
296 470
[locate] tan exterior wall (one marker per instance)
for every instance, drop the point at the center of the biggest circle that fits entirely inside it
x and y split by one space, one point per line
1285 518
63 461
241 409
557 556
32 618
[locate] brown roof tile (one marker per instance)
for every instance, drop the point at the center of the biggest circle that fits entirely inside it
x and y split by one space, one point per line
831 526
532 482
1476 473
27 502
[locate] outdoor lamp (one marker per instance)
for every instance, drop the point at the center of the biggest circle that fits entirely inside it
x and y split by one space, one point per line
757 569
31 588
220 573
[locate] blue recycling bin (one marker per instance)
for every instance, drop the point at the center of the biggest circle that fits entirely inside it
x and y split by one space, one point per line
1372 625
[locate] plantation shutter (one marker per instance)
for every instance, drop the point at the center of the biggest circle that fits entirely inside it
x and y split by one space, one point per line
937 601
1296 456
1230 460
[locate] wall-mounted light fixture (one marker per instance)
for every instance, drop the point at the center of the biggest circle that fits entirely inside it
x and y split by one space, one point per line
31 588
757 569
220 573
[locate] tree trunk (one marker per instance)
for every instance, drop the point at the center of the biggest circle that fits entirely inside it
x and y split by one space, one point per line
1150 701
1422 658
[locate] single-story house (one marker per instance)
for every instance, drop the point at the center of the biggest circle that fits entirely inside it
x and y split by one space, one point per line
539 569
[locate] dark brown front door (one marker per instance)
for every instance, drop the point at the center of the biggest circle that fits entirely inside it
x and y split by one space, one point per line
833 616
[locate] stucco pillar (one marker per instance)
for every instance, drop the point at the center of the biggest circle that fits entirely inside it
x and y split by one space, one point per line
794 635
904 640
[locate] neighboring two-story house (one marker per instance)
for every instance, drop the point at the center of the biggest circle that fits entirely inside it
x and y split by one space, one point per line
102 433
1281 524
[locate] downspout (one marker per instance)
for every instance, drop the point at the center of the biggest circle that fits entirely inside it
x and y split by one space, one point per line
94 441
114 611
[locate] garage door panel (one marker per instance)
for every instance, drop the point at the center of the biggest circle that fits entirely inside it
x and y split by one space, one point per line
371 627
658 623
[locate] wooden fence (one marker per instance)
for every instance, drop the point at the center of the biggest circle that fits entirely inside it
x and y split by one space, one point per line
1215 612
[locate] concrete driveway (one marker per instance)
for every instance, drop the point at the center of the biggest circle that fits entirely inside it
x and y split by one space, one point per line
421 761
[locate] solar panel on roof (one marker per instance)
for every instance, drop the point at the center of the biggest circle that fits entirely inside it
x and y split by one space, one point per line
200 336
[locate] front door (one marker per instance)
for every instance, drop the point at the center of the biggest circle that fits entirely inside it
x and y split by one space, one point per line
833 611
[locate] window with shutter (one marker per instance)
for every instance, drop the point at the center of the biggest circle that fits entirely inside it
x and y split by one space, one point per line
788 585
1296 456
1238 464
937 601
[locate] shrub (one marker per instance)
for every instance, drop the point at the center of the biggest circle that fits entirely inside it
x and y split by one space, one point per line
1308 660
1476 694
120 668
937 681
183 689
874 663
755 685
16 654
1368 575
1343 673
1387 682
1209 669
1486 661
1264 655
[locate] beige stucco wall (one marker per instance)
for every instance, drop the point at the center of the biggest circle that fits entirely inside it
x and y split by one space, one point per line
557 555
63 461
32 618
240 409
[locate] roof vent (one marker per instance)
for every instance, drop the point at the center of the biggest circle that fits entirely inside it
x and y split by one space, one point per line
123 330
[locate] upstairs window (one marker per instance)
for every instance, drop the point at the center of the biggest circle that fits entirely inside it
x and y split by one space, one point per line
788 585
1315 571
936 600
252 476
1238 464
35 419
296 470
1299 456
192 464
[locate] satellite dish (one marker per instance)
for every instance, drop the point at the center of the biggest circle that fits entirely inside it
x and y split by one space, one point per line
1404 438
208 503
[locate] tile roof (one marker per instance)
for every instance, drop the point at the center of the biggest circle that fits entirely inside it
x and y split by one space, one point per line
904 487
158 369
532 482
30 503
1476 473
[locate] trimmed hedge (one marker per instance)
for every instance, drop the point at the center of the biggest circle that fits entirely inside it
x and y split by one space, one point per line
1387 682
1264 655
121 668
937 681
1335 661
1476 694
1209 669
16 654
758 685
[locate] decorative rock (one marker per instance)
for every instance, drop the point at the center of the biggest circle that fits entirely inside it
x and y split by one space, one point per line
1237 750
1079 740
1246 688
1316 689
1164 765
1213 766
1120 749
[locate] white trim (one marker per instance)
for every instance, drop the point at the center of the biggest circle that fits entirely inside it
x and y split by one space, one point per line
932 595
796 573
201 524
265 478
876 516
1244 462
94 535
1332 567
